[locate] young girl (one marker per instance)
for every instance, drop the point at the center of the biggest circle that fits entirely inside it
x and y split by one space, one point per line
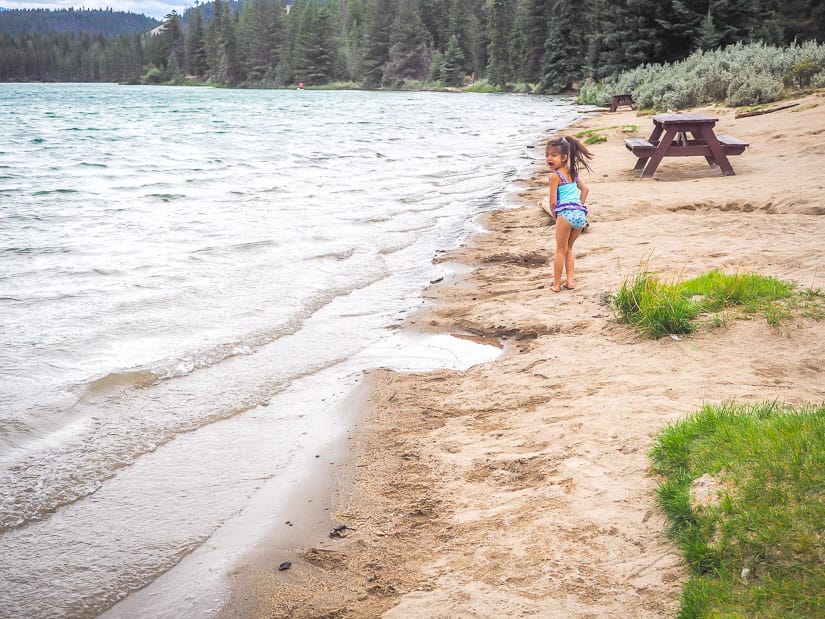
568 194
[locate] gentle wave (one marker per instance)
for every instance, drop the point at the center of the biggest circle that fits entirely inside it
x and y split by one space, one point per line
46 192
102 460
166 197
339 255
158 305
119 380
23 251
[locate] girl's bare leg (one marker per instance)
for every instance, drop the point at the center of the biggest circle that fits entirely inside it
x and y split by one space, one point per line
570 260
563 242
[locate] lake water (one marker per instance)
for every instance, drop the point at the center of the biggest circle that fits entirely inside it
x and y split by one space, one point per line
192 281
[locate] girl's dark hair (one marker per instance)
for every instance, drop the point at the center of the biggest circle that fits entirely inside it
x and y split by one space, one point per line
576 151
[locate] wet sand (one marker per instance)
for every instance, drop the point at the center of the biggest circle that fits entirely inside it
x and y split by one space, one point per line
522 486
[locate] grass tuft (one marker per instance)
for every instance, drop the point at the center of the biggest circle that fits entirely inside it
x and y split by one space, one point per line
758 549
594 136
659 308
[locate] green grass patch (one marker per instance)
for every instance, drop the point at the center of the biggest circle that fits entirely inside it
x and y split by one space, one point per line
660 308
594 136
330 86
482 86
755 544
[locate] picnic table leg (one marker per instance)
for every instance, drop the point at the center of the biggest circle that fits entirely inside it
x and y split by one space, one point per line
701 136
664 144
654 137
718 151
640 163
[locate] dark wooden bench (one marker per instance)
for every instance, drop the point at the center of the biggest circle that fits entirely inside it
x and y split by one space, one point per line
732 145
639 147
642 148
623 99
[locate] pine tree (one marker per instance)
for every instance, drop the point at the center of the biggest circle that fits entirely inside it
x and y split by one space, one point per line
436 68
260 37
222 57
214 41
466 22
532 23
619 43
409 55
452 71
132 58
173 35
168 42
499 29
565 48
195 44
435 15
172 73
230 68
734 20
315 46
377 40
352 26
707 37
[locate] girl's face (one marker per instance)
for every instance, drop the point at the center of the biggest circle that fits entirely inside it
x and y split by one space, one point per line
555 158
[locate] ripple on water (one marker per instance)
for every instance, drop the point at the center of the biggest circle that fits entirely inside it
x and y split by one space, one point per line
165 197
171 339
46 192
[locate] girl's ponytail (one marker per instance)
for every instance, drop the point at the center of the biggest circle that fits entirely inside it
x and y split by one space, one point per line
578 156
577 153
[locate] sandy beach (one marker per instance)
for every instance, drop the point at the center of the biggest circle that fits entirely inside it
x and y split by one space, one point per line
522 487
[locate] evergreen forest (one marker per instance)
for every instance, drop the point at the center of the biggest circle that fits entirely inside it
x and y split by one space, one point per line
94 21
546 46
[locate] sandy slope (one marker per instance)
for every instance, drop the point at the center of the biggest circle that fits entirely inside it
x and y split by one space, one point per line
521 487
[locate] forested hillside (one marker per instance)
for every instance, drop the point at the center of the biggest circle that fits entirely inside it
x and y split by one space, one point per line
93 21
553 45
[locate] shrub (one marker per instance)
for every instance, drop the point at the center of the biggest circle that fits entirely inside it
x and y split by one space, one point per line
152 76
741 74
802 73
752 87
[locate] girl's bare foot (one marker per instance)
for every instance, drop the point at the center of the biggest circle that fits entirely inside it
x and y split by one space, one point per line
569 286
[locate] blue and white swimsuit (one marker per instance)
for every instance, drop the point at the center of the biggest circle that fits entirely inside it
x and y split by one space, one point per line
569 203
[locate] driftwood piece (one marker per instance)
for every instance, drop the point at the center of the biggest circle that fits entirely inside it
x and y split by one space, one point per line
767 110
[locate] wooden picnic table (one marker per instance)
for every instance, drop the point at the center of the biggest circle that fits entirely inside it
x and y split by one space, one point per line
684 135
623 99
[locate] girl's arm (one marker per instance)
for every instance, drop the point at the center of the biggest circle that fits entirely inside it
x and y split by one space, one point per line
553 188
584 189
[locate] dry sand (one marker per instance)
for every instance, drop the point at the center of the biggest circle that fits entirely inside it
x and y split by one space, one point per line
522 487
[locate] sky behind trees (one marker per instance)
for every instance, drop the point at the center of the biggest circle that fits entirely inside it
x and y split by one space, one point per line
151 8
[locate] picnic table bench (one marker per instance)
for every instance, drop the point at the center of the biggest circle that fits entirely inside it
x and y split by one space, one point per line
670 139
623 99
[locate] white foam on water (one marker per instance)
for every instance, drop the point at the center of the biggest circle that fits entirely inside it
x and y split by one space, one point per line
253 270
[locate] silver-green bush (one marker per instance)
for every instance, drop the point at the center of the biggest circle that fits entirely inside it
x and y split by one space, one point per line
741 74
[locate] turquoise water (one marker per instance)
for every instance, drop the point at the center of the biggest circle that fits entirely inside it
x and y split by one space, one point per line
189 279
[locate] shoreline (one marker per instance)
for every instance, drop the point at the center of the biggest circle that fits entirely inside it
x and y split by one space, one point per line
521 486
